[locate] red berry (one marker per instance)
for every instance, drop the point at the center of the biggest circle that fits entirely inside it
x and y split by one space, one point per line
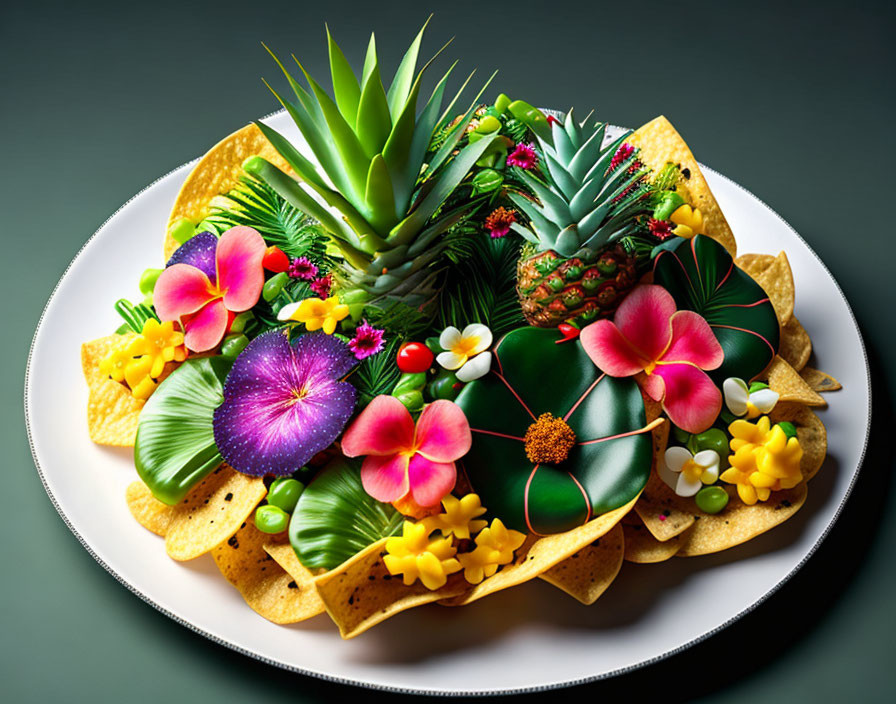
275 260
414 357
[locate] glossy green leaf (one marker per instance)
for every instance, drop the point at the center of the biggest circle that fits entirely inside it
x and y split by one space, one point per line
374 121
336 519
175 447
345 86
400 88
701 276
379 196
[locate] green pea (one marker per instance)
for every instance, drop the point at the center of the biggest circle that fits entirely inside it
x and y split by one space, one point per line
274 285
487 180
713 439
148 280
669 203
233 345
412 400
711 499
442 387
433 344
285 492
788 428
502 102
271 519
182 230
240 321
409 381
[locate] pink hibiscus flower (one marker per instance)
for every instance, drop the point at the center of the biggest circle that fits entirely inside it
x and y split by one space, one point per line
671 348
401 459
201 298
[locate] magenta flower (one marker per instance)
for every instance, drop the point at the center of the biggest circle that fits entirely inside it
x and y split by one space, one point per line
401 459
671 348
209 278
302 268
322 286
367 341
523 156
622 154
284 402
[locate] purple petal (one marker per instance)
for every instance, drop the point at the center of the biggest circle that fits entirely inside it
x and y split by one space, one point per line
198 251
284 403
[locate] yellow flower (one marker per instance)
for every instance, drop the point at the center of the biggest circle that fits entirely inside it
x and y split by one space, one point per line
458 516
161 343
764 460
137 376
414 556
316 313
688 220
495 546
115 361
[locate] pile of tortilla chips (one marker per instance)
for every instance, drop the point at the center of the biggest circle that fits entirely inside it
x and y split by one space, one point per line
216 517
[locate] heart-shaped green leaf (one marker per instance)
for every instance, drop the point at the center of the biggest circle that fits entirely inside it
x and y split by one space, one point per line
702 276
336 519
175 447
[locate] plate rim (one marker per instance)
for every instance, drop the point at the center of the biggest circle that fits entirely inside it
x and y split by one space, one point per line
441 692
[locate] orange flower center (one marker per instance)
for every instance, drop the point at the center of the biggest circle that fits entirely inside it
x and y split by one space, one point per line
549 440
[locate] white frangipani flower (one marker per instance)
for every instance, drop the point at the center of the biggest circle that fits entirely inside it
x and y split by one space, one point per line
465 352
687 473
741 401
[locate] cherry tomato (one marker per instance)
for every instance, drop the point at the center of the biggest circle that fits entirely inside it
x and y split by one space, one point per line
275 260
414 357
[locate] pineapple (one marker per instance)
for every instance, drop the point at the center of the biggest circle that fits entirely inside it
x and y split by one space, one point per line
576 265
377 170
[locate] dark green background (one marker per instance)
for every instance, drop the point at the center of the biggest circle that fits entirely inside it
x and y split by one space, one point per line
793 101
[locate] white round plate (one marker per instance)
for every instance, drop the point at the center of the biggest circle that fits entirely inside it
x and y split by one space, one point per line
526 638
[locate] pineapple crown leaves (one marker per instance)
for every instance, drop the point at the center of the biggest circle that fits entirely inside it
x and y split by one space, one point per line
582 203
372 147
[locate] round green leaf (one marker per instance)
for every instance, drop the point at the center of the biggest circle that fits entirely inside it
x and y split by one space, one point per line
175 447
607 467
702 277
336 519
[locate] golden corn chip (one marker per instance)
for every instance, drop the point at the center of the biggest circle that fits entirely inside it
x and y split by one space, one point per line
642 547
777 282
660 144
112 411
737 522
150 513
279 548
217 173
755 264
819 381
790 386
212 512
810 431
270 590
586 574
795 347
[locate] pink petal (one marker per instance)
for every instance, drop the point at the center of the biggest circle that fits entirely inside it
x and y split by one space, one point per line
693 341
443 433
206 329
430 481
643 319
653 386
609 350
692 401
385 427
385 478
180 290
240 273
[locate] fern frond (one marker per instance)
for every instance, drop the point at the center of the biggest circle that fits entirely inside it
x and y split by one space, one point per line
378 374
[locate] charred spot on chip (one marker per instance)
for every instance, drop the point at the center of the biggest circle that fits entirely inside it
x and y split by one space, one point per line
686 172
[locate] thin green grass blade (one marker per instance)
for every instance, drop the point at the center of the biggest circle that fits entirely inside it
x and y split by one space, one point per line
400 89
370 59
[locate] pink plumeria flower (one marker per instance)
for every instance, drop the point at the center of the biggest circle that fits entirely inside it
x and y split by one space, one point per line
401 459
672 349
201 299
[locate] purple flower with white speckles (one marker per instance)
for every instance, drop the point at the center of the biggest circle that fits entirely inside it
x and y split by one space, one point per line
284 402
367 341
302 268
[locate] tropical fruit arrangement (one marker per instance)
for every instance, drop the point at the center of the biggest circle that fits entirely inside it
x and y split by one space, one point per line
449 346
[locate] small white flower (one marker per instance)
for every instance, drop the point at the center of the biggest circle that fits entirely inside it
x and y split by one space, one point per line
465 351
741 402
687 473
288 311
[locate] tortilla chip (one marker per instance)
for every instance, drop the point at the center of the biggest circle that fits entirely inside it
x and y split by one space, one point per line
755 264
642 547
777 282
819 381
810 431
586 574
660 144
217 173
270 590
790 386
212 512
796 346
112 411
737 522
150 513
279 548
